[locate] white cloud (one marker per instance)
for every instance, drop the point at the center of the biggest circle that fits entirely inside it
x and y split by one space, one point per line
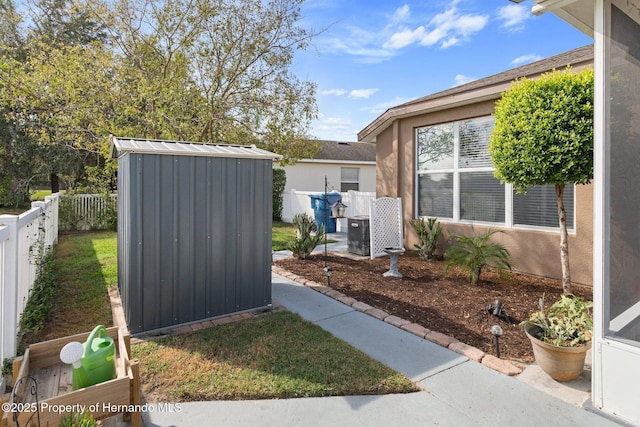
404 38
525 59
335 129
337 121
358 43
401 14
513 16
362 93
402 29
336 92
461 79
451 27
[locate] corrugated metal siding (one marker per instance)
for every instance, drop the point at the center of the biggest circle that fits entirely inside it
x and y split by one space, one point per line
124 230
198 238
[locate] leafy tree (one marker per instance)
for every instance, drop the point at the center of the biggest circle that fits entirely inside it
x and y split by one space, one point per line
60 97
544 135
64 23
217 70
11 38
16 151
73 71
45 89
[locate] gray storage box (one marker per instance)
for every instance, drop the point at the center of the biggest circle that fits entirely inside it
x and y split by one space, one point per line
358 235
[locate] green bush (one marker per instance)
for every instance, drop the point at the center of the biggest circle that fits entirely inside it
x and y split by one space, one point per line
68 218
38 305
428 232
305 241
279 182
82 419
7 366
107 217
473 253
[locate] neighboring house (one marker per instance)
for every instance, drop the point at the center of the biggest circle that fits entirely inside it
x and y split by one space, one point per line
615 27
347 166
433 153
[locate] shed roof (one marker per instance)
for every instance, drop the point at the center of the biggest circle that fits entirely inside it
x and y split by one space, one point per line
185 148
476 91
346 151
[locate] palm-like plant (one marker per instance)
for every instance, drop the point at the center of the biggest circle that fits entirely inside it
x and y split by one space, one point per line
428 232
473 253
305 242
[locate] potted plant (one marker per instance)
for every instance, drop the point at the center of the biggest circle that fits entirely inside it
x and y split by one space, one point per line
561 336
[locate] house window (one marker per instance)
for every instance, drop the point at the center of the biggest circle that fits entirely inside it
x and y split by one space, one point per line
455 180
539 207
349 179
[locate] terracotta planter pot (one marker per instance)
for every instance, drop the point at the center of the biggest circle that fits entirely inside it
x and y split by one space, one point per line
560 363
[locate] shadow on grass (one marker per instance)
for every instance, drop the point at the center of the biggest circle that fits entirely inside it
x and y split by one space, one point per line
85 267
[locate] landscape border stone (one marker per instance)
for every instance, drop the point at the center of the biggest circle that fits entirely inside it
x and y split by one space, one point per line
500 365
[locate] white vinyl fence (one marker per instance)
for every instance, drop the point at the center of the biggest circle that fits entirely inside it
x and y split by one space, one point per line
87 211
295 202
24 240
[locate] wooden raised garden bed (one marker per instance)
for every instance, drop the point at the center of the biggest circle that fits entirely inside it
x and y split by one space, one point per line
55 397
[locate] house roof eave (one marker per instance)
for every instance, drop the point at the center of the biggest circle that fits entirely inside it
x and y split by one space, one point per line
369 133
578 13
476 91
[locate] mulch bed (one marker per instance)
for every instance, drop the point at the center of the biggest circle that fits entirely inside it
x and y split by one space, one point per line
443 303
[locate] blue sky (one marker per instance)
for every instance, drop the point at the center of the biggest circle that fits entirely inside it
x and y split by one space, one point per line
376 54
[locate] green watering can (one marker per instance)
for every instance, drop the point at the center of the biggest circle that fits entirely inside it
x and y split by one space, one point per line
93 362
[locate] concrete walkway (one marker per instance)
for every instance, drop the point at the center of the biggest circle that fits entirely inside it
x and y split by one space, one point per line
455 390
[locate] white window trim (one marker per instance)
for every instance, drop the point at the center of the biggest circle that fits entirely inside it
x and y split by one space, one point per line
342 181
455 171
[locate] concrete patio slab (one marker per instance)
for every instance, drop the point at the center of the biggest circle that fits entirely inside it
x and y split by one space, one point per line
408 354
415 409
495 399
308 303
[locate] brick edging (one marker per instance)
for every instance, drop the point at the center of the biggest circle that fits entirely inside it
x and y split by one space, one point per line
503 366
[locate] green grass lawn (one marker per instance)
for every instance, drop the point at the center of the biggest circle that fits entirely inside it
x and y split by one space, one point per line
86 266
282 235
273 355
39 194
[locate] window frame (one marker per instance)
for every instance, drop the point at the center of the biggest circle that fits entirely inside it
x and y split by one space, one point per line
342 181
457 170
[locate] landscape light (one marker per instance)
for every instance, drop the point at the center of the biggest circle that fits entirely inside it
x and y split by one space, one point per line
496 330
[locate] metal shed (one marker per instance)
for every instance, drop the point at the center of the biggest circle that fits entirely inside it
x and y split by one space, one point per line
194 230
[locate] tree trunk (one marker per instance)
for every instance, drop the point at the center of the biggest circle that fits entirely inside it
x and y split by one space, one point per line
55 183
564 240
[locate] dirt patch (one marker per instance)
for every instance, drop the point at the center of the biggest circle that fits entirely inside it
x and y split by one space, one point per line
444 303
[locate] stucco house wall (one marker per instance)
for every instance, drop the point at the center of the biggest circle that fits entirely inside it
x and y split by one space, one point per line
534 251
333 156
309 175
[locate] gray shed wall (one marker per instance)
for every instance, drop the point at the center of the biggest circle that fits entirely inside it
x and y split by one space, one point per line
194 237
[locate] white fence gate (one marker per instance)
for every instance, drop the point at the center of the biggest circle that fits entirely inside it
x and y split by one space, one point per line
295 202
385 225
24 240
